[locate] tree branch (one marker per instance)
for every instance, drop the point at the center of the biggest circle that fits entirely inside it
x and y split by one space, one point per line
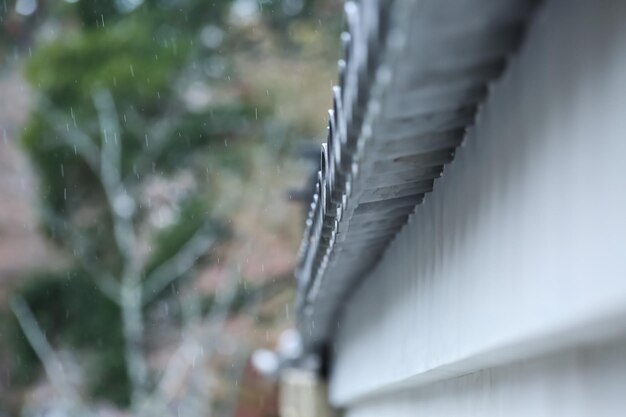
110 154
156 138
203 343
122 207
191 347
74 137
52 365
178 264
104 280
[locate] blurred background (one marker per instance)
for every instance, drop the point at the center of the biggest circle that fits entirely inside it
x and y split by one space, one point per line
152 172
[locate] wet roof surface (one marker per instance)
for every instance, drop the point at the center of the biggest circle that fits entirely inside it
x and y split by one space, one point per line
412 78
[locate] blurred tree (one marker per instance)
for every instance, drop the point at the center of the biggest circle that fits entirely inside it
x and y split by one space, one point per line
131 97
121 120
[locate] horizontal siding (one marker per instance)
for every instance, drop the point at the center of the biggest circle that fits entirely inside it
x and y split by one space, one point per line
521 248
585 382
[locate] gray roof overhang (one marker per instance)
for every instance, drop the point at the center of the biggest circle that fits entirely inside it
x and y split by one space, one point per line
413 75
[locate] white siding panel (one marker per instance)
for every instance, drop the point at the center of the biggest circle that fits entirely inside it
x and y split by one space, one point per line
521 247
583 382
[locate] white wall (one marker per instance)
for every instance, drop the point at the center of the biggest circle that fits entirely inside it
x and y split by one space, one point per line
582 382
521 248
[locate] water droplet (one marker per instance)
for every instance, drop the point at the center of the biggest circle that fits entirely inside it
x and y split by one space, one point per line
73 116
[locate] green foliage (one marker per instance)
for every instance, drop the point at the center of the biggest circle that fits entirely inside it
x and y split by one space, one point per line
141 58
125 58
108 378
55 165
141 64
73 312
193 218
279 14
188 14
244 296
148 59
93 13
211 128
